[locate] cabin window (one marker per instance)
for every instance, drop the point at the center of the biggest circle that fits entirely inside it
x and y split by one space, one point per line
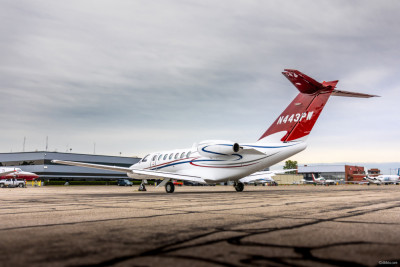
165 156
176 155
159 157
145 158
170 155
182 155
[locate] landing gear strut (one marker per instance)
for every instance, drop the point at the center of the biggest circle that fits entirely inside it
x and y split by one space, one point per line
142 187
170 187
239 186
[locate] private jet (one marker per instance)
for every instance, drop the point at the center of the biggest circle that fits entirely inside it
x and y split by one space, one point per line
17 173
215 161
322 181
382 179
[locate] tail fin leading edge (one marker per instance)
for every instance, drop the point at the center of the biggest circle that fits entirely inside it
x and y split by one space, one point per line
298 119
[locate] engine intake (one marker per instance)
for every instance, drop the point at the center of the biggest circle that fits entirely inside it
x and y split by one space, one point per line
217 148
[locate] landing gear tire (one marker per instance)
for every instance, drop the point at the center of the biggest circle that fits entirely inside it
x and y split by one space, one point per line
169 187
142 187
239 187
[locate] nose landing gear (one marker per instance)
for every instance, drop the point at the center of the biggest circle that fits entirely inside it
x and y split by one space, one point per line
142 187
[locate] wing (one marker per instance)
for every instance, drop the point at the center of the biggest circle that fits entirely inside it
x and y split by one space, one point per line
262 175
283 171
141 174
357 182
152 174
94 166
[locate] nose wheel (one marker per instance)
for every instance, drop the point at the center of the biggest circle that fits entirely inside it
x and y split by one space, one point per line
169 187
142 187
239 187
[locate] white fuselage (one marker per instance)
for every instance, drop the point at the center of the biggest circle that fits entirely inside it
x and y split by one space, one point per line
218 168
6 173
323 181
384 179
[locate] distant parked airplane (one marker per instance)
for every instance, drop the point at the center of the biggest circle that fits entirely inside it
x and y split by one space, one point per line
6 173
262 177
382 179
322 181
217 161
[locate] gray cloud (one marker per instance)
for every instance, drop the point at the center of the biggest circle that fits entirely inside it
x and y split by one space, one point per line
120 72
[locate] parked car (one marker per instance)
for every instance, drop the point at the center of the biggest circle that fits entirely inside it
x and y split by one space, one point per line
12 183
124 182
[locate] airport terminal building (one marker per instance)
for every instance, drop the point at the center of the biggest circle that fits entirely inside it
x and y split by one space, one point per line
334 172
40 163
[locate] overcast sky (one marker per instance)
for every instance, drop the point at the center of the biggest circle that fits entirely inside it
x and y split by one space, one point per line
141 76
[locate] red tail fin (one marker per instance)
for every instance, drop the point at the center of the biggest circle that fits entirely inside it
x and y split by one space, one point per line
297 120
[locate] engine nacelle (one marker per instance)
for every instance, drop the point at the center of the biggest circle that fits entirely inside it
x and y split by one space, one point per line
218 148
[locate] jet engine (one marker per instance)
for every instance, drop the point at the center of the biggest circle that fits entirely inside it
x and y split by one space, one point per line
218 148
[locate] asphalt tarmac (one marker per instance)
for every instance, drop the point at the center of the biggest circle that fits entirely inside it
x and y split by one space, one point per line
351 225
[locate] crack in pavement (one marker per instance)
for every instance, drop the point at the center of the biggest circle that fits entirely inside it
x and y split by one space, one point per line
305 252
222 229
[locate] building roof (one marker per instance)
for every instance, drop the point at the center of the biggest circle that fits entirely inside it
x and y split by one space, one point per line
321 168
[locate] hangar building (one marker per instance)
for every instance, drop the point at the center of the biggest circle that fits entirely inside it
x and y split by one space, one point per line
333 172
40 163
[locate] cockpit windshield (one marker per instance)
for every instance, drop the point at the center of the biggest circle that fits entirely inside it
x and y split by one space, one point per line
145 158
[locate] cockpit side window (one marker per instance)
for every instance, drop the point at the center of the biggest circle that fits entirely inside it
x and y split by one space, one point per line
145 158
154 158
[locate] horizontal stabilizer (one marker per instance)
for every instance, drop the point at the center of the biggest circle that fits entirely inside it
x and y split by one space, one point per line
351 94
306 84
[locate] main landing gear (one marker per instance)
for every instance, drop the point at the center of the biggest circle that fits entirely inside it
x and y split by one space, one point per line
239 186
169 187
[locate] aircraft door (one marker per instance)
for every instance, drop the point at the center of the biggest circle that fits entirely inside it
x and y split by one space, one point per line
153 160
